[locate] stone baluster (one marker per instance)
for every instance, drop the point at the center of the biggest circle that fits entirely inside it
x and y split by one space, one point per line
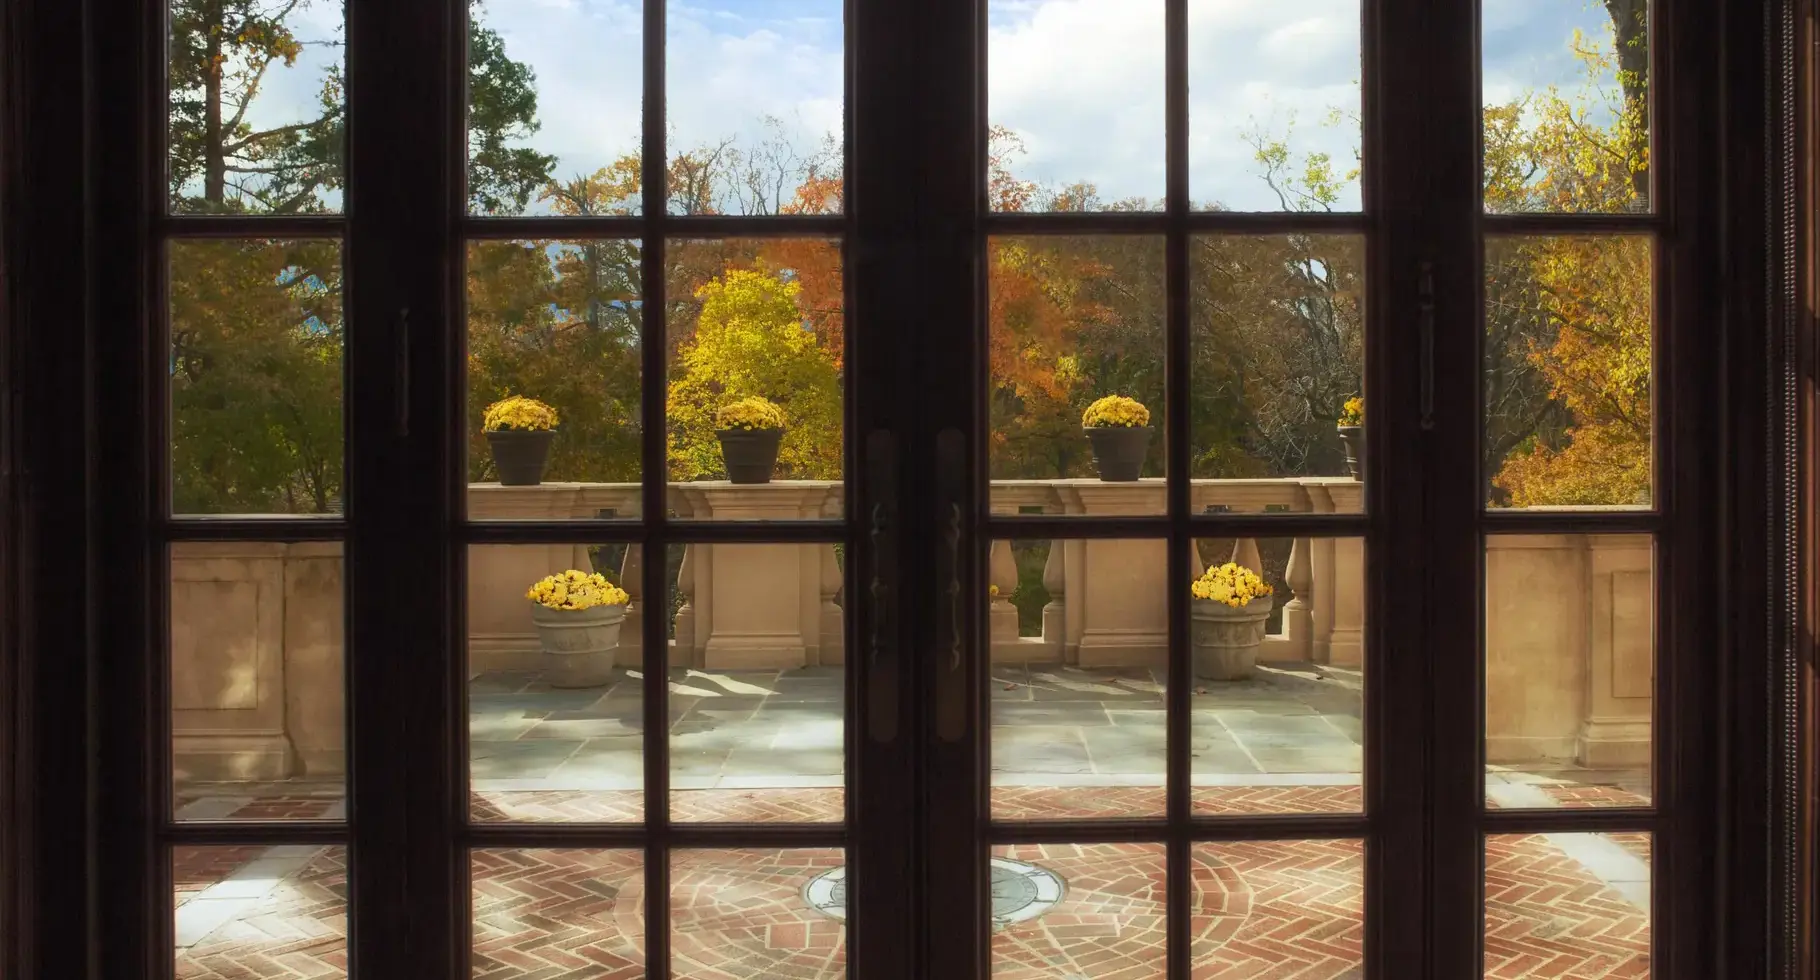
683 653
1055 611
1001 615
833 629
1298 612
1245 554
632 635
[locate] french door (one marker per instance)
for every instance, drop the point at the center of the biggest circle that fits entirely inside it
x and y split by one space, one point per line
1059 489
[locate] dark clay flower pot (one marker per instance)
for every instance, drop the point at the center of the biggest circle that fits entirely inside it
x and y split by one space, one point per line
520 456
1352 440
1119 451
750 454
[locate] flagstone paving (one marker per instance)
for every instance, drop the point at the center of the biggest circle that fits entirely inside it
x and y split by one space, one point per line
768 746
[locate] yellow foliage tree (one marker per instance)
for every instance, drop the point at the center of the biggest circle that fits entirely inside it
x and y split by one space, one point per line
1581 304
753 338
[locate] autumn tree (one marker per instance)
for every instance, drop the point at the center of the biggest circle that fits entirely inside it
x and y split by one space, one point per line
752 339
255 410
1575 309
255 324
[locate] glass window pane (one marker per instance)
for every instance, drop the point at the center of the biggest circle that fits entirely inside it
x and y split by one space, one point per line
1075 351
1075 98
1274 107
1279 908
758 914
756 391
261 911
1079 639
1567 106
1567 905
541 914
756 106
257 724
1570 661
1279 675
758 684
256 377
555 695
1278 397
1082 911
557 323
1568 364
257 121
554 119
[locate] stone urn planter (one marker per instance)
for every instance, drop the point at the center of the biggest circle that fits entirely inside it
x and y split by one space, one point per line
1119 451
579 645
1352 440
750 454
1226 638
520 456
519 431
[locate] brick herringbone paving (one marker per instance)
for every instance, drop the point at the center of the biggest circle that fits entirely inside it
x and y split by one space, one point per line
196 868
1287 909
1637 844
555 913
1261 909
1547 916
285 808
822 805
1593 795
1110 921
296 931
1278 799
740 915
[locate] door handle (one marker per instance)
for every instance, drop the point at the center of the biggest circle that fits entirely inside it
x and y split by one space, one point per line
881 651
950 659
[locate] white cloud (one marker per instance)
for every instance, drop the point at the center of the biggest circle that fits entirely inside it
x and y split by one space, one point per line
1080 80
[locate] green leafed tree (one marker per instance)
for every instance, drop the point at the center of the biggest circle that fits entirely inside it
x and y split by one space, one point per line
256 325
226 155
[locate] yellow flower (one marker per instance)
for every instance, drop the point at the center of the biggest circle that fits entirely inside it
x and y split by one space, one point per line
992 590
1353 412
519 414
750 415
1116 411
576 590
1230 584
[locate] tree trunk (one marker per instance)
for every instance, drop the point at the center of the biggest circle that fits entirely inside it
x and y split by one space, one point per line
1630 28
214 152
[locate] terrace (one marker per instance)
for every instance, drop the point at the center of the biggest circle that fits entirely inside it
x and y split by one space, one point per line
757 709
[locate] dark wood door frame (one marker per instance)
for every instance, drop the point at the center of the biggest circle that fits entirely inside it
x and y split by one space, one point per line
84 839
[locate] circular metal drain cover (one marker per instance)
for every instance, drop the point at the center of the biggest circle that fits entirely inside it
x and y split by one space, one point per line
1020 892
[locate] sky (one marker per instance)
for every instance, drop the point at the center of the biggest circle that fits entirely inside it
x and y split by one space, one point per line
1080 81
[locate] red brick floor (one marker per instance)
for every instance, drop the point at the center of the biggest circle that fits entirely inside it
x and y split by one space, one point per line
295 931
824 805
1546 917
1262 909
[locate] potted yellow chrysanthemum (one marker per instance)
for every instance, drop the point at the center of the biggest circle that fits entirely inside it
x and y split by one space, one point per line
750 431
519 431
578 616
1231 603
1352 435
1118 429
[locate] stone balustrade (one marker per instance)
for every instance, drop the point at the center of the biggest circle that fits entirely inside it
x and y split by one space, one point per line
257 649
